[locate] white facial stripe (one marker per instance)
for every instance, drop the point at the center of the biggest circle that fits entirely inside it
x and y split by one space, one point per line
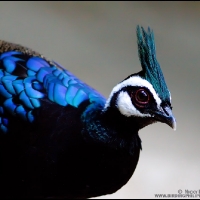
133 81
126 107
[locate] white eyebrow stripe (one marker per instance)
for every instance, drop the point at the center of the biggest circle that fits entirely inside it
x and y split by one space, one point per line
133 81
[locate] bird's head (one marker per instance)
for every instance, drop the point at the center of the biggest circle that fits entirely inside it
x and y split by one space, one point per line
144 95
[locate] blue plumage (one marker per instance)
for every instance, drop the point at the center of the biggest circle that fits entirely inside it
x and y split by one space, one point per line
40 80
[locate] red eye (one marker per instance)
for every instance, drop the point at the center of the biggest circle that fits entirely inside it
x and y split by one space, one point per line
141 96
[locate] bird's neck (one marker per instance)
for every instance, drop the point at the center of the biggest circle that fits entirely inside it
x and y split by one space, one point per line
110 128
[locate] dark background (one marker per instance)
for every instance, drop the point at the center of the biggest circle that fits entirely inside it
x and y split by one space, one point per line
97 42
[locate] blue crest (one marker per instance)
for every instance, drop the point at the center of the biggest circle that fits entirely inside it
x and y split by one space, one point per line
150 66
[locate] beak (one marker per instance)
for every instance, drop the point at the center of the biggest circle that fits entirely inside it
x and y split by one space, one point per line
165 115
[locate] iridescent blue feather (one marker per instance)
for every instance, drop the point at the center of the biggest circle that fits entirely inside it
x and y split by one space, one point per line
38 80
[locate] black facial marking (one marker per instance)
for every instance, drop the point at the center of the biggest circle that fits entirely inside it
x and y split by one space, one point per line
141 98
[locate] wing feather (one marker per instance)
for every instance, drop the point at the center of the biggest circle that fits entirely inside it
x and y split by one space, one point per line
25 80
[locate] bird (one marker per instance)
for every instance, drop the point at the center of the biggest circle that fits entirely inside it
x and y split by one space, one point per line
61 138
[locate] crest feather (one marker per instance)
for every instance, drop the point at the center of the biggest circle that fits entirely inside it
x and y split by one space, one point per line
150 66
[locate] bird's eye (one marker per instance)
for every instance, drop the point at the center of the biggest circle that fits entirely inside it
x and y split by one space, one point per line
142 96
